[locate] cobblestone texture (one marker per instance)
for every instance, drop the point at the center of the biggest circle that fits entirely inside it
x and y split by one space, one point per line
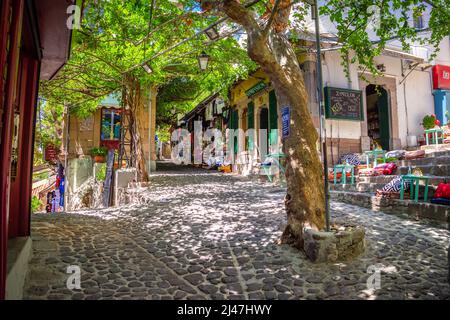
206 235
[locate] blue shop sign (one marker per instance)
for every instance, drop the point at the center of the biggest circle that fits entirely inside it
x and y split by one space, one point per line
285 121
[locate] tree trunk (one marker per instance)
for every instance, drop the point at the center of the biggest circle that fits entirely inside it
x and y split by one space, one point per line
134 102
305 205
305 198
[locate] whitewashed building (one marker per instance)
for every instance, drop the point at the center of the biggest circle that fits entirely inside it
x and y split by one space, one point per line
392 118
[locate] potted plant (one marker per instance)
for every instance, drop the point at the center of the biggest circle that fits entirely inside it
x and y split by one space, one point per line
429 122
99 154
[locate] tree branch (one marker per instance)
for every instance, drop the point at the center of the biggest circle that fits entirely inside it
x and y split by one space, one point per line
239 13
271 18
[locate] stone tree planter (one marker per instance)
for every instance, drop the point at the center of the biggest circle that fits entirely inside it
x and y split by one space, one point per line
344 242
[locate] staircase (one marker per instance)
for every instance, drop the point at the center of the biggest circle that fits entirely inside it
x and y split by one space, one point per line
436 165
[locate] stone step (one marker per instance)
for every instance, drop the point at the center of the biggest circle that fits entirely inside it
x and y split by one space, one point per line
372 188
429 170
434 180
358 187
438 215
435 160
437 149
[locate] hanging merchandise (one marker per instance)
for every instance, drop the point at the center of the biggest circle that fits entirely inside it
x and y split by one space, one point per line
220 104
61 192
54 201
209 112
48 206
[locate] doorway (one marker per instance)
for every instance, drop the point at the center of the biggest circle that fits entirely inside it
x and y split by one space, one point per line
263 132
378 119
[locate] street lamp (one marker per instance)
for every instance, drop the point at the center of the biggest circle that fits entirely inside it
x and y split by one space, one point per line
212 33
147 68
203 60
323 133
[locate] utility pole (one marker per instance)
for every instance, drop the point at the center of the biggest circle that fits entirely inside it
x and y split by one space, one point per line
323 129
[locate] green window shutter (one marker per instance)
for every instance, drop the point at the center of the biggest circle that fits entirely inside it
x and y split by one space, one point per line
231 120
251 115
236 126
273 116
251 122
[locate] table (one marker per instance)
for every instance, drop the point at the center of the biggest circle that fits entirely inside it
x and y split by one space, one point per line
276 157
414 186
374 154
344 175
434 135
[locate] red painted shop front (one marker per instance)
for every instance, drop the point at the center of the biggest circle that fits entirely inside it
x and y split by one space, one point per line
26 26
441 93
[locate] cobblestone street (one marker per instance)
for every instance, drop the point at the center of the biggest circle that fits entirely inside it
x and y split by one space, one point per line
206 235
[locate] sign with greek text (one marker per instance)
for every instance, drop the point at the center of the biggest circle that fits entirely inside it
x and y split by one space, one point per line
344 104
256 88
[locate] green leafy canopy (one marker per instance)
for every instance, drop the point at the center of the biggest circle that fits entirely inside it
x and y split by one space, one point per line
117 36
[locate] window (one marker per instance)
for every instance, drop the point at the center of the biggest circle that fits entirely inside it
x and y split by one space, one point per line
418 21
111 124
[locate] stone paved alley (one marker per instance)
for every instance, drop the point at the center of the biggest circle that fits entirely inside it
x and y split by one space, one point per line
206 235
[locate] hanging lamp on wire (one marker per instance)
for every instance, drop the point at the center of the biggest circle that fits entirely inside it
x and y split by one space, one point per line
146 65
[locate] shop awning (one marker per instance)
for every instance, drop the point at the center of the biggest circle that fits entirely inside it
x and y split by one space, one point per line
55 36
402 55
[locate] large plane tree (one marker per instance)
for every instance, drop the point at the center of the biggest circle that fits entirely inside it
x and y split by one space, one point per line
267 26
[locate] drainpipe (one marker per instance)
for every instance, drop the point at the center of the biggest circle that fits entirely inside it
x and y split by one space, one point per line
323 134
150 131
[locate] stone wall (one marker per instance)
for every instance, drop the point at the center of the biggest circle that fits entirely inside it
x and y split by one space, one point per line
123 179
437 214
78 172
338 245
339 146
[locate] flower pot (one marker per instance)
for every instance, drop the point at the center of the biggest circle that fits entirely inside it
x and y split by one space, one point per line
99 159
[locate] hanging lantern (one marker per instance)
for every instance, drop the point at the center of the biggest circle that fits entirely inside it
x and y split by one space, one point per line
147 68
203 60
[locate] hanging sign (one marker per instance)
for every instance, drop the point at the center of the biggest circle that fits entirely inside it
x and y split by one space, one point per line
51 153
256 88
344 104
441 77
285 121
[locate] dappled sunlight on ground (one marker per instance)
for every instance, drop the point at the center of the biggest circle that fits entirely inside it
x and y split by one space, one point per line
203 235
